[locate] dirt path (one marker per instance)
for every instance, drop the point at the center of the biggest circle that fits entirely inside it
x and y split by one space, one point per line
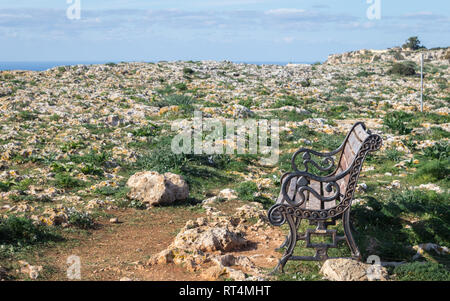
120 250
115 251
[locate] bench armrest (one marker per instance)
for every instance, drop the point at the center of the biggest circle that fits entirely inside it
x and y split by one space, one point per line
303 184
327 164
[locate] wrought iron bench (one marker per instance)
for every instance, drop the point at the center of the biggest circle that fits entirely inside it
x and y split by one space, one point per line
322 199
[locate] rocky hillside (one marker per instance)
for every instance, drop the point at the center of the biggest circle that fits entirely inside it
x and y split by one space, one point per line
437 56
72 137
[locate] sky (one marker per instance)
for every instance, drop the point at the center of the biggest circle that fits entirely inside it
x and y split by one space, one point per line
235 30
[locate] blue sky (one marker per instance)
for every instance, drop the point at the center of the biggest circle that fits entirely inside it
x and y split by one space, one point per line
238 30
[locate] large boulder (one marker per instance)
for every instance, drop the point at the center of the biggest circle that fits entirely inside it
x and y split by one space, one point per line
343 269
155 189
209 239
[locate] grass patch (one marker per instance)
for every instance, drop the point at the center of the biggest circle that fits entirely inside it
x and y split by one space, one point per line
246 190
401 220
395 122
419 271
66 181
19 233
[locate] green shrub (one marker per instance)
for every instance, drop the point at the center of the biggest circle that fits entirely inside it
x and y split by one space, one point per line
124 203
5 186
404 69
146 131
162 159
248 102
188 71
68 146
336 111
418 271
183 101
82 220
181 86
55 117
394 155
20 232
91 169
440 151
434 170
94 158
26 115
395 121
364 73
287 100
65 180
61 167
246 190
168 89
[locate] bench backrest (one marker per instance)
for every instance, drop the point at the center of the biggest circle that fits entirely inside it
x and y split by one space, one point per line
353 143
350 148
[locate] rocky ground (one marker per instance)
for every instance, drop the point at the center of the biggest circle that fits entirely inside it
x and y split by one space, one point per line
86 167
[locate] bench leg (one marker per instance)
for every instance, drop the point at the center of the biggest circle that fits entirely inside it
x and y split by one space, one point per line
288 237
284 244
349 237
292 241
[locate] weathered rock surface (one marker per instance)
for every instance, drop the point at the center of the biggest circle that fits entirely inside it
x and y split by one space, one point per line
33 271
227 194
156 189
343 269
209 240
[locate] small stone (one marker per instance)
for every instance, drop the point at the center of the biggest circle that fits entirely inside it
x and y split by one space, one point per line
362 187
114 220
33 271
227 194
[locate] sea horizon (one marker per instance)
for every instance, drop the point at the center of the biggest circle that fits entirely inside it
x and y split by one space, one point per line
45 65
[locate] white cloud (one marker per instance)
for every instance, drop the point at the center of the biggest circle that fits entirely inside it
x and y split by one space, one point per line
288 40
421 13
285 11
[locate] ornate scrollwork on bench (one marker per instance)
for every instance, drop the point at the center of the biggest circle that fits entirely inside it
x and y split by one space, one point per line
326 164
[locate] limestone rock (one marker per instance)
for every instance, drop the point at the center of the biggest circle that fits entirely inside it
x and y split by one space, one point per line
209 240
156 189
251 211
217 271
227 194
343 269
32 271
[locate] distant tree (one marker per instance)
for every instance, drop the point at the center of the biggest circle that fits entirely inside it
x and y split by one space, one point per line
413 43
